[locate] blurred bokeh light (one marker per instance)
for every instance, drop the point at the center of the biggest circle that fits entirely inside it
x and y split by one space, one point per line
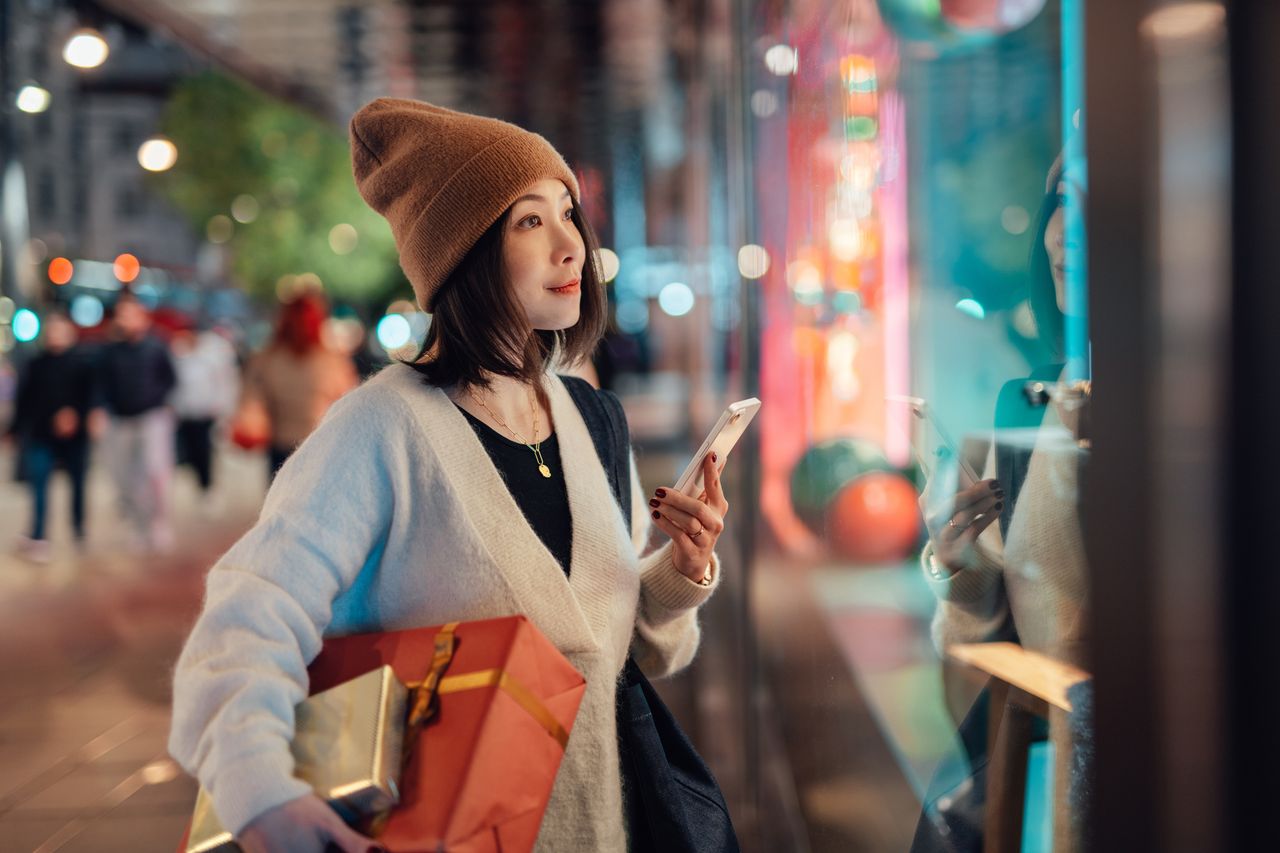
60 270
157 154
86 49
32 98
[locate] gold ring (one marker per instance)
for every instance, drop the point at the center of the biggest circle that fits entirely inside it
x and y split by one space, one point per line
695 535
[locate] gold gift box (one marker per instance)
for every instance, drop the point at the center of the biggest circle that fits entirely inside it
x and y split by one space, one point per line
347 747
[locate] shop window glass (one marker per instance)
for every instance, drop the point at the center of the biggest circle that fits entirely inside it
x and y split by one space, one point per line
920 184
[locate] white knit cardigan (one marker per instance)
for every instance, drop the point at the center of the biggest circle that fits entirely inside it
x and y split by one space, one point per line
392 516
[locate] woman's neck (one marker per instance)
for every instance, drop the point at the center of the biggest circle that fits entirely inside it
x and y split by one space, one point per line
507 401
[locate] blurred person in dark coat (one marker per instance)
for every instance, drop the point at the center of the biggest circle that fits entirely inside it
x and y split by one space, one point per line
54 418
137 375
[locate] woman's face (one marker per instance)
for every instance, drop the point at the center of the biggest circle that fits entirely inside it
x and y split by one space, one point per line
543 253
1055 246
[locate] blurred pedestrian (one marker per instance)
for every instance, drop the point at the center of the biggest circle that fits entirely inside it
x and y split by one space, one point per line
54 419
137 376
296 377
207 390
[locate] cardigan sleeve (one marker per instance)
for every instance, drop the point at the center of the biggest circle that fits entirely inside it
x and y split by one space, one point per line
973 606
667 633
268 601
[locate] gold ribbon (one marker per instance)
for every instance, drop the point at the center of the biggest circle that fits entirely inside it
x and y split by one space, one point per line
424 702
523 696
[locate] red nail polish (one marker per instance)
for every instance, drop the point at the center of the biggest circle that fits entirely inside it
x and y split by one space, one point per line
662 493
654 503
714 458
655 516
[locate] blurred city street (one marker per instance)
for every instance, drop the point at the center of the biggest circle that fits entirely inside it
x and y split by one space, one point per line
881 250
87 643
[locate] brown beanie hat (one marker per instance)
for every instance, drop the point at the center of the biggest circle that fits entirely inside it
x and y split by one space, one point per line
441 178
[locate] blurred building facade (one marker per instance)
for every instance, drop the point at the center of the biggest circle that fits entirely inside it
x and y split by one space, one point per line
88 196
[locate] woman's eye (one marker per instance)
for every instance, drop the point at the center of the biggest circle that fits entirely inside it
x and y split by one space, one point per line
568 215
531 220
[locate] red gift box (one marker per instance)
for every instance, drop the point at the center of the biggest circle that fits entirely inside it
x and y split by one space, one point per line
480 773
481 769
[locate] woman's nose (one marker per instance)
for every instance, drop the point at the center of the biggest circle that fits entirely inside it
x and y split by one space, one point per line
569 248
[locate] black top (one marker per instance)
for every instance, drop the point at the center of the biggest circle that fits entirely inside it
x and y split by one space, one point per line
137 376
544 501
49 383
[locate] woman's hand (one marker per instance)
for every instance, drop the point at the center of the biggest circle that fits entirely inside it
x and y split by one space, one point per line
955 529
304 825
693 525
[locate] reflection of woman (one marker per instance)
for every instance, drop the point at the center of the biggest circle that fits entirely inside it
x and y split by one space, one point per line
296 378
1027 572
1024 578
464 487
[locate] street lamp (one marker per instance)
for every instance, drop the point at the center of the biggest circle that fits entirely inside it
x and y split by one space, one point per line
86 48
32 98
157 154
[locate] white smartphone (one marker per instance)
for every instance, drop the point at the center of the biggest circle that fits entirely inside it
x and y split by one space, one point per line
928 437
723 436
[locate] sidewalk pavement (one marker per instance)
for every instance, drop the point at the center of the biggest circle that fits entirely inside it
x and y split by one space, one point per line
87 644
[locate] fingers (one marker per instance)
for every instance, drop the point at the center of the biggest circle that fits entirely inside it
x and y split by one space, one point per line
714 494
347 840
980 523
681 519
949 526
966 504
688 514
686 545
965 498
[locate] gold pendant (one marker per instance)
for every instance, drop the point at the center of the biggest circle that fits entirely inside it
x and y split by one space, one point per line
546 472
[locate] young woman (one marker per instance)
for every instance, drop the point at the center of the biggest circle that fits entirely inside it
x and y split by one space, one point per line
463 487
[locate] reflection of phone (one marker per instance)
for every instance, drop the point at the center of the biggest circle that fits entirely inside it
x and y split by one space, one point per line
723 436
928 449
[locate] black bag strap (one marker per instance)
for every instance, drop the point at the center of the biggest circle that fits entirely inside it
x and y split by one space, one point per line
607 424
671 799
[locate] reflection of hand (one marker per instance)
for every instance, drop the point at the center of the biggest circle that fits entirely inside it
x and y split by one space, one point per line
305 825
1074 414
955 530
65 422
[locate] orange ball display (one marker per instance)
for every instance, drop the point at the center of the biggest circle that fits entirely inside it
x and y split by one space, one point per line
874 519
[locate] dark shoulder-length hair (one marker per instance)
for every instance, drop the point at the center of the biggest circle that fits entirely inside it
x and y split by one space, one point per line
479 328
1042 294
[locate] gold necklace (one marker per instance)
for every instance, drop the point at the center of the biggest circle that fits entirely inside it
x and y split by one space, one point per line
536 448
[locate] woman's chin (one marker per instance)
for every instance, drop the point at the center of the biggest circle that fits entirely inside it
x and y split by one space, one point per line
556 323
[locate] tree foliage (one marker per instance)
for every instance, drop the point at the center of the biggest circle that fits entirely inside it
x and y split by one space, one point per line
233 141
